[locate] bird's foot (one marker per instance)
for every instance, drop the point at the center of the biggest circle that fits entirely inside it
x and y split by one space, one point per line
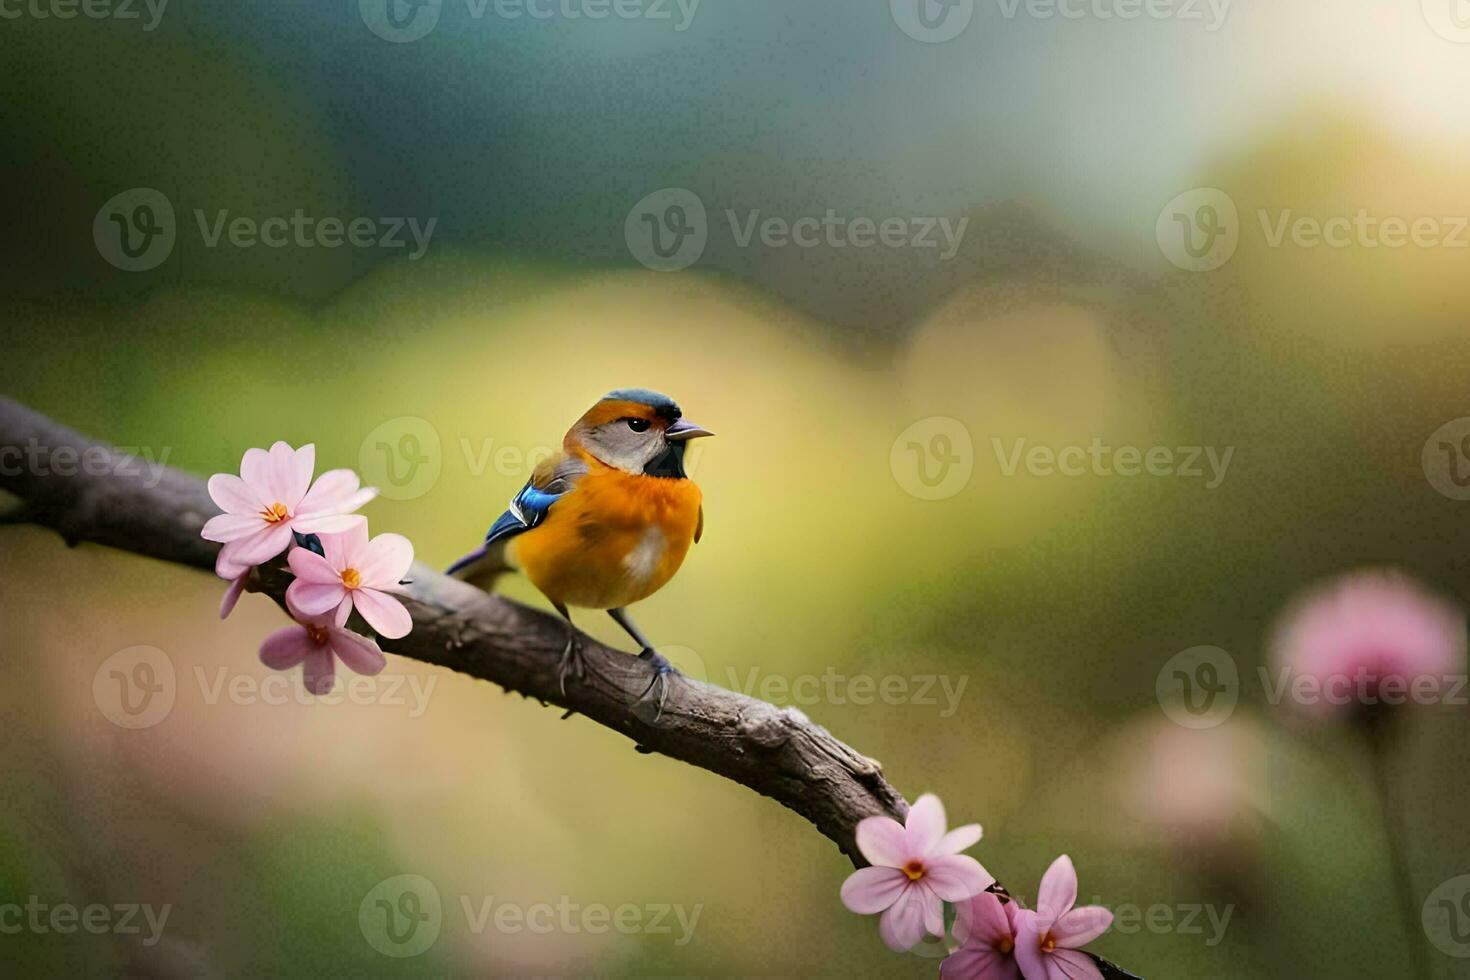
658 687
572 664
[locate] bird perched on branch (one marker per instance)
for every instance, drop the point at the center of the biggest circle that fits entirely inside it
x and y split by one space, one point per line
606 522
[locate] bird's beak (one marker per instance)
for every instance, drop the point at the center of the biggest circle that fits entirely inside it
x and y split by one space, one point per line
681 429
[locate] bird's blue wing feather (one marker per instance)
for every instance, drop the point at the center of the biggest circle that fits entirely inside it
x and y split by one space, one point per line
527 509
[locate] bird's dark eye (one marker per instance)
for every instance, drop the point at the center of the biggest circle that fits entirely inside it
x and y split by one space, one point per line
638 425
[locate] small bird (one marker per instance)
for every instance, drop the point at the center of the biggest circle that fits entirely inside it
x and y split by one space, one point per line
607 521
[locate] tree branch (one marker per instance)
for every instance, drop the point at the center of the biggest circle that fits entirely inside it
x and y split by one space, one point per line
88 491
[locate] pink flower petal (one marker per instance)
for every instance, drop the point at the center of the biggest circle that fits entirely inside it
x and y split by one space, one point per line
298 476
354 543
1081 926
255 471
958 839
344 609
385 561
308 566
982 919
383 613
956 877
232 595
225 528
1069 964
329 492
933 910
285 648
264 545
358 653
328 523
1029 956
902 924
314 598
320 670
882 841
233 495
870 890
226 566
978 962
925 825
1058 891
281 474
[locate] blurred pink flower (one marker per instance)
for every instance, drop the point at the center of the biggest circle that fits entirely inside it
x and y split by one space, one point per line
1050 937
1367 638
917 867
270 499
354 572
317 643
986 928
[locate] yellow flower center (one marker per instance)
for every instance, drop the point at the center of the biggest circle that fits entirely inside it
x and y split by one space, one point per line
914 869
318 635
275 513
1048 944
351 578
1004 945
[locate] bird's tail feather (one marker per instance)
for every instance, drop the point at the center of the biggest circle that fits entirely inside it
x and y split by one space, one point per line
482 566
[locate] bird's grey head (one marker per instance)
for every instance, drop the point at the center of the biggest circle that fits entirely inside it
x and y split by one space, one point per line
636 430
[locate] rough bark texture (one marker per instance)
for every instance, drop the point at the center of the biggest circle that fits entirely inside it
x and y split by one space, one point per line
91 492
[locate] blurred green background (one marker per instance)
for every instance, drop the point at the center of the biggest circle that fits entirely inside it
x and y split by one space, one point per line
1054 600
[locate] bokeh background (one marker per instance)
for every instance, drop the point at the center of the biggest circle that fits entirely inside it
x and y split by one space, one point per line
1066 315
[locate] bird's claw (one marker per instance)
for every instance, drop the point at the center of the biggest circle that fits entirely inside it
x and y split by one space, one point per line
660 681
571 663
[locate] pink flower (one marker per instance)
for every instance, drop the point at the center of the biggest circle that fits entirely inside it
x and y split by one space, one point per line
986 928
237 574
317 643
916 868
1366 638
1049 939
270 499
354 572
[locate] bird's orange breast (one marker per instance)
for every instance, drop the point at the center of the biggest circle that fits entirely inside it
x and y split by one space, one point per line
615 539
